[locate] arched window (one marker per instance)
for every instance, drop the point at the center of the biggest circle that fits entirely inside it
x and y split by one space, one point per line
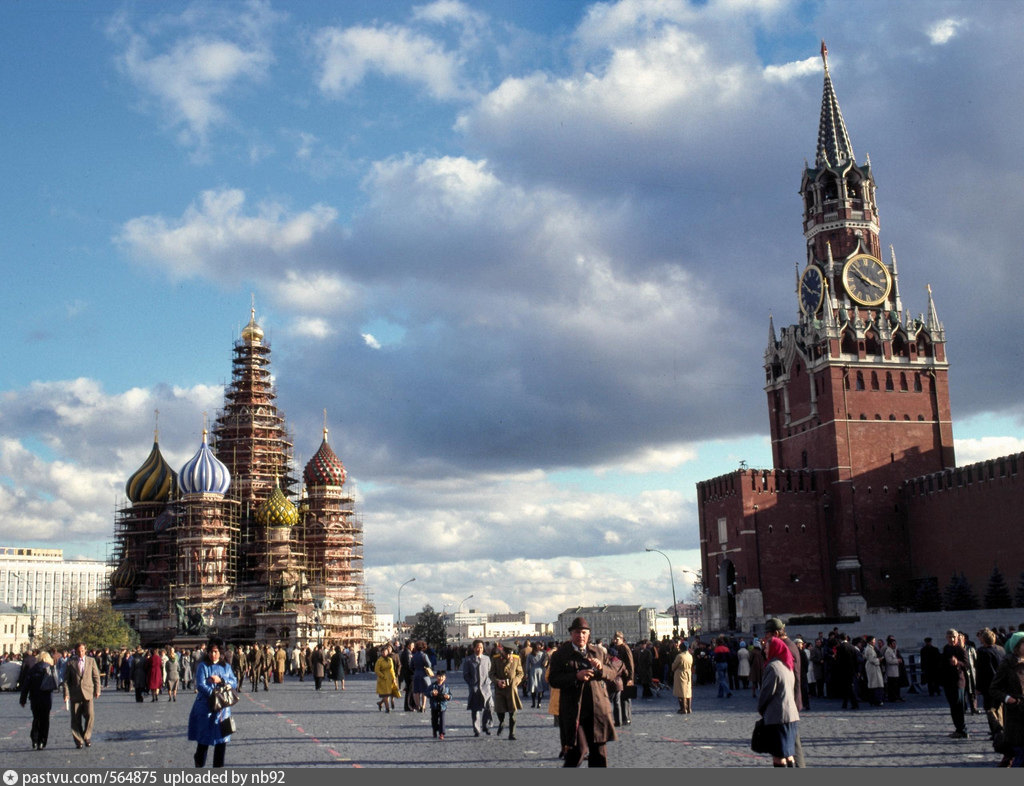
860 380
903 380
874 380
888 381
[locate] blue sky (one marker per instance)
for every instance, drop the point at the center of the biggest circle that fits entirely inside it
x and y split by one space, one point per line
524 254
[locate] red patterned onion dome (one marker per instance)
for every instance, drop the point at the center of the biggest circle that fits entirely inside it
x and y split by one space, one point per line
325 468
154 481
277 511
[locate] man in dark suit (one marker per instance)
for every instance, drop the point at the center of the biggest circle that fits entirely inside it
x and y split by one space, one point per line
476 671
81 686
582 673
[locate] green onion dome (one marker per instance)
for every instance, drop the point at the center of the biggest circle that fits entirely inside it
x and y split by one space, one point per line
277 511
154 481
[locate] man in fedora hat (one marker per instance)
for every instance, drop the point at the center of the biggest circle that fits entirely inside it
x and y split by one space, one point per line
582 672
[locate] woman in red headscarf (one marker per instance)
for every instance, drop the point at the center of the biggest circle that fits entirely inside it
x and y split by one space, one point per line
776 703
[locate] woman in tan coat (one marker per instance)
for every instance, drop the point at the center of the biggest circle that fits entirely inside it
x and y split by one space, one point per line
682 682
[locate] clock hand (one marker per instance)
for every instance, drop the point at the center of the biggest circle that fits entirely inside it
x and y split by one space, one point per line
867 280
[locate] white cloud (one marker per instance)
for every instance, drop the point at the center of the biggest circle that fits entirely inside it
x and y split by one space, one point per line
943 31
970 451
370 341
216 239
311 327
318 291
794 70
348 55
194 75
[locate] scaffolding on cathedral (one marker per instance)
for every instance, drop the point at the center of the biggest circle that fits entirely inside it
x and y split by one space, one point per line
221 547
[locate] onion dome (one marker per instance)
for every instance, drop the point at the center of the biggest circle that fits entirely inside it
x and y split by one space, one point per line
252 333
154 481
204 473
325 468
123 576
277 511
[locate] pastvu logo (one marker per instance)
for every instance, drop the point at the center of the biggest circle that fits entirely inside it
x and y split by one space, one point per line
10 777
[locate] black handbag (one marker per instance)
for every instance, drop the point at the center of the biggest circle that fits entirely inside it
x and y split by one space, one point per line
227 726
221 697
759 739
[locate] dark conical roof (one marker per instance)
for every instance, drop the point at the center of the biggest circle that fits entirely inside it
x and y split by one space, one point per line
833 142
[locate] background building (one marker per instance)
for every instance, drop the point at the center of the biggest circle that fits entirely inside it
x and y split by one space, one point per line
47 586
636 622
15 626
223 547
864 504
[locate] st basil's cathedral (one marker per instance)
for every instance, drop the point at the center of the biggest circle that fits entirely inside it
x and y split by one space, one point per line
221 547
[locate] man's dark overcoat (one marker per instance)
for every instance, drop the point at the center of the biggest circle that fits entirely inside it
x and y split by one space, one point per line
591 697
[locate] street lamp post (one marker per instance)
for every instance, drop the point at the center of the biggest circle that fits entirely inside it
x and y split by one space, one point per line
31 609
400 602
675 606
463 601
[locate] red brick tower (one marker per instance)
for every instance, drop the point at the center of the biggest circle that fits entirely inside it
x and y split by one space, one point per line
857 389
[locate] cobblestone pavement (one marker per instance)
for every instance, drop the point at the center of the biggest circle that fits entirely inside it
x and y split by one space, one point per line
292 725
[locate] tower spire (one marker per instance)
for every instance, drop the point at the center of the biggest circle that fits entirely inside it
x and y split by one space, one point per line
833 142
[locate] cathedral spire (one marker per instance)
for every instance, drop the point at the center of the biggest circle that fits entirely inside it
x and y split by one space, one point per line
933 324
833 142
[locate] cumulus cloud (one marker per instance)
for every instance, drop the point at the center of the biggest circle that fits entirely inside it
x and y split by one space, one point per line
347 55
191 64
970 451
370 341
216 239
943 31
794 70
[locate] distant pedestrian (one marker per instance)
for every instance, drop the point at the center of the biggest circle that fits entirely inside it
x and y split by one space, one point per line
682 679
387 682
954 682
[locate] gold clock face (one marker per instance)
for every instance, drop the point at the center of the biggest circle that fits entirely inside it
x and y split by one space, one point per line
866 279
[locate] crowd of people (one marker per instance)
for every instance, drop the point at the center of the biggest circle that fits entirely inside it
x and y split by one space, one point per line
588 685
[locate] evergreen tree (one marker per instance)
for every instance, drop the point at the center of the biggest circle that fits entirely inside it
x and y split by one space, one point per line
1018 598
997 596
927 596
959 596
98 625
429 627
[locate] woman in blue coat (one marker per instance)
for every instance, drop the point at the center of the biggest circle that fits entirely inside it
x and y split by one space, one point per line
203 725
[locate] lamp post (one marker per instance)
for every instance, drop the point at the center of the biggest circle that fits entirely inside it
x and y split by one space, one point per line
410 581
463 601
675 607
31 609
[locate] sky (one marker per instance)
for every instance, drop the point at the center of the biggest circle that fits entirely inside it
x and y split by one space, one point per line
523 255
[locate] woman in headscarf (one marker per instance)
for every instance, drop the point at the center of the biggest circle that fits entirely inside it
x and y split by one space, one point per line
155 673
776 703
204 725
756 667
682 679
1007 689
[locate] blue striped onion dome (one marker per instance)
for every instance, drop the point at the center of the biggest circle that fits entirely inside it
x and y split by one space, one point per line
277 511
325 468
154 481
204 473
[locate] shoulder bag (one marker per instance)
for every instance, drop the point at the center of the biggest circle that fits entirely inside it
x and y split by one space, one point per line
222 696
759 742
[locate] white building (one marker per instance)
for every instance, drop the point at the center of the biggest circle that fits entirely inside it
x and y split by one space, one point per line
383 628
635 622
48 586
14 628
